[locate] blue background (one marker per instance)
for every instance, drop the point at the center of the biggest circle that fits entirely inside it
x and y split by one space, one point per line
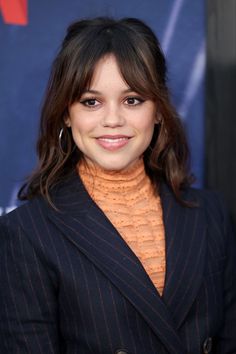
27 53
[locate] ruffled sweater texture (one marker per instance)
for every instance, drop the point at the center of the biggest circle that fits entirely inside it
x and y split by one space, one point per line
128 200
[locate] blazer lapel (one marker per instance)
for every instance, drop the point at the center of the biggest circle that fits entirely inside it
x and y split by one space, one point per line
185 230
86 226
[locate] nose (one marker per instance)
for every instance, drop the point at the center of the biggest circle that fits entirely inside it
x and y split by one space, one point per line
113 117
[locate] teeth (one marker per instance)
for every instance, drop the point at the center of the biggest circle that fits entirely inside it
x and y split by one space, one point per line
109 140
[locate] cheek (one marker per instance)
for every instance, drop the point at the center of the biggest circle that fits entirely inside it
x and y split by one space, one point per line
145 120
147 127
80 126
77 131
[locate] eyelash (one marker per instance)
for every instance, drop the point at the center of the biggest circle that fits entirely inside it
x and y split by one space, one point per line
87 100
139 99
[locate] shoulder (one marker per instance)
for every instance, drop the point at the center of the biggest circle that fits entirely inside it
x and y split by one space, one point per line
22 214
194 199
215 211
220 235
25 225
210 201
28 232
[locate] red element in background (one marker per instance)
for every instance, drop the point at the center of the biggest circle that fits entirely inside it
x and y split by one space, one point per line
14 12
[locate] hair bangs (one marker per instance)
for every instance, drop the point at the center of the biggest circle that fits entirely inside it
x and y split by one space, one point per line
133 66
85 62
131 62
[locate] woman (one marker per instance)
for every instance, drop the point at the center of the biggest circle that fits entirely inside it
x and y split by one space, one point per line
114 252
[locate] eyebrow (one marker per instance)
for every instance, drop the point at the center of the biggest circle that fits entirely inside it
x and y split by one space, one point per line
95 92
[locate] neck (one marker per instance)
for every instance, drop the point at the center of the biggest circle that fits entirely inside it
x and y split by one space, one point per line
129 180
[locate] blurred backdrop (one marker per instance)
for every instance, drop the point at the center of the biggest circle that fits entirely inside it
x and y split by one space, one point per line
220 111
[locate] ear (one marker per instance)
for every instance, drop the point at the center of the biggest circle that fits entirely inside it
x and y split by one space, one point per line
67 121
158 119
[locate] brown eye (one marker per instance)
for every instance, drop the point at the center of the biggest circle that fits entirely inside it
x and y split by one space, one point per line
133 101
90 102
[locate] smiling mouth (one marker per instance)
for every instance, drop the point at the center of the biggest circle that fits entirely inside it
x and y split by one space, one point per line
112 143
113 140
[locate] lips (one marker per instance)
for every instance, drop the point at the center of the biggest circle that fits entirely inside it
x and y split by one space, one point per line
113 142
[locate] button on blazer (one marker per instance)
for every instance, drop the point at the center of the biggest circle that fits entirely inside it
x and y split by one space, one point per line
70 284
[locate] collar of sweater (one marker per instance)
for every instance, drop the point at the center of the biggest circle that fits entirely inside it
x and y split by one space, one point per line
132 181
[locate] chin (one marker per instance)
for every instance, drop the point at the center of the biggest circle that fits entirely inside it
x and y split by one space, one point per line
116 165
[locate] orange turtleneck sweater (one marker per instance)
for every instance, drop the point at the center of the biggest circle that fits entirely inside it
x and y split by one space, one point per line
127 198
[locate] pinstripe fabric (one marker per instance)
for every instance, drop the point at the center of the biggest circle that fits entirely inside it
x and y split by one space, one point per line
70 284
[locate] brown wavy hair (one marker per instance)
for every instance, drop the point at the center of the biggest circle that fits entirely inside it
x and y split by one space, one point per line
142 65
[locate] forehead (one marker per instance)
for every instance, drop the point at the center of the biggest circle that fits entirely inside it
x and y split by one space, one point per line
107 72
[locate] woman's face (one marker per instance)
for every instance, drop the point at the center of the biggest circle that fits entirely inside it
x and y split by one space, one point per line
111 124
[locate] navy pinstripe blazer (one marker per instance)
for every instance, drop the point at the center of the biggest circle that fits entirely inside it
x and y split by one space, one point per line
71 285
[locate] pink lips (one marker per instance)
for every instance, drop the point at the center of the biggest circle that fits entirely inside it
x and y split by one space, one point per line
113 142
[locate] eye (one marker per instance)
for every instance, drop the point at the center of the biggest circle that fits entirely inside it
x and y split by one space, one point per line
133 101
90 102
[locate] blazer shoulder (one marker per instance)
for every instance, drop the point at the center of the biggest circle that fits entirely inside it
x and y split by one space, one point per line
205 198
28 225
27 222
22 213
215 209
